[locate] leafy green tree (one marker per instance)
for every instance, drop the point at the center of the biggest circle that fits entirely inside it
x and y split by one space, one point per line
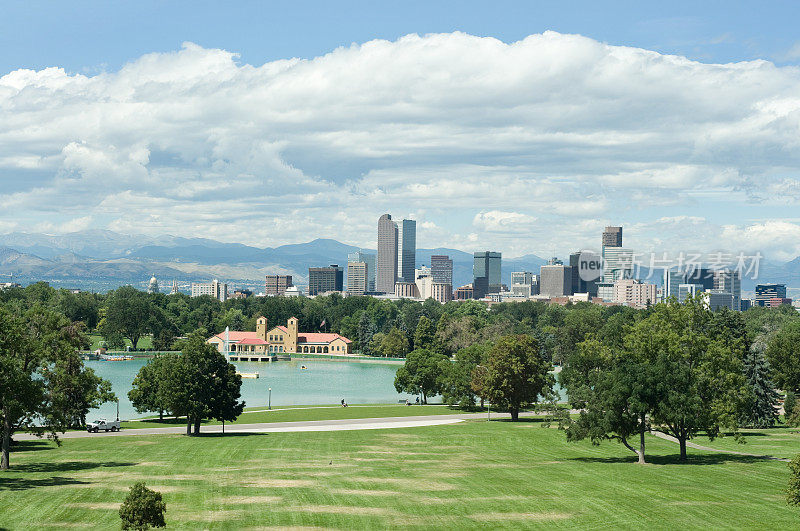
128 314
366 331
420 373
393 345
455 377
793 493
425 334
783 354
615 393
142 509
149 390
762 410
43 384
202 384
75 389
700 384
516 374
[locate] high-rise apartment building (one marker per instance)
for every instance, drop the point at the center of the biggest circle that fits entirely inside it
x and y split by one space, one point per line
555 280
215 288
386 261
486 272
406 250
325 279
357 278
442 269
276 284
635 293
369 259
612 237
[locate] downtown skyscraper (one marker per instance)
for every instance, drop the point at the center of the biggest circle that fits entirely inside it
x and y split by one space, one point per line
406 250
386 261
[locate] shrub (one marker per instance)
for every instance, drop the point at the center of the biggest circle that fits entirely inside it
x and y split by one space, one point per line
142 508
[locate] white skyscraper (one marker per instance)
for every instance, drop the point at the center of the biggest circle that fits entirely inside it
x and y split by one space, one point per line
386 266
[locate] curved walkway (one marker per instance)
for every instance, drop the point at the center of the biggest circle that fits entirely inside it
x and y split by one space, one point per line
274 427
690 444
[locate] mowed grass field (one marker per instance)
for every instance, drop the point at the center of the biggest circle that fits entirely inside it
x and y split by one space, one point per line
303 413
474 474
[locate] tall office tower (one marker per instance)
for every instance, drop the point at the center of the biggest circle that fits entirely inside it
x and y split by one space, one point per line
276 285
324 279
406 250
486 273
701 276
357 275
612 237
524 284
369 259
672 279
578 284
442 269
726 281
766 292
555 280
386 266
617 264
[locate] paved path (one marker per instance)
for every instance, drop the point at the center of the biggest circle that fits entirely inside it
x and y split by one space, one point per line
306 425
690 444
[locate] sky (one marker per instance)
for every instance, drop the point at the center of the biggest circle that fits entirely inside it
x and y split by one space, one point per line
523 127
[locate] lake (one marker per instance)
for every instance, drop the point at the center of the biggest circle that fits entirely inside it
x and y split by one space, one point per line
323 382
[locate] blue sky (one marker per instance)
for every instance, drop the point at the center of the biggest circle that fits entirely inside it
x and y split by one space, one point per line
88 36
517 126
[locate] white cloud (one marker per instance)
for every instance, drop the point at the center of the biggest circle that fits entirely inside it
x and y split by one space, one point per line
523 147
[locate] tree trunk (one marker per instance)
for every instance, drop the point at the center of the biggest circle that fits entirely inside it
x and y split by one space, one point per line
514 413
482 403
682 441
197 426
4 462
160 414
188 425
640 453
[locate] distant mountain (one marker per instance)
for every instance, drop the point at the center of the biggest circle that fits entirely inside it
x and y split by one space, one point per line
104 259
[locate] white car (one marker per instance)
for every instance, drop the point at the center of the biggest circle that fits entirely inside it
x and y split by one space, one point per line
102 424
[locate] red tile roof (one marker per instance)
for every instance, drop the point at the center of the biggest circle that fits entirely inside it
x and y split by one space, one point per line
253 341
319 337
237 336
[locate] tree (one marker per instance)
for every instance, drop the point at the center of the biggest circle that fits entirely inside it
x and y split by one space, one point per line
420 373
762 410
614 392
516 374
128 314
783 354
425 334
202 384
142 509
699 382
74 390
149 388
393 345
455 377
43 384
793 493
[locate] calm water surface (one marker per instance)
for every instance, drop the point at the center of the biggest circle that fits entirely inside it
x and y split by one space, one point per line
323 382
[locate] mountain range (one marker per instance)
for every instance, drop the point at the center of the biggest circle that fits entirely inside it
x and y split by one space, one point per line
103 259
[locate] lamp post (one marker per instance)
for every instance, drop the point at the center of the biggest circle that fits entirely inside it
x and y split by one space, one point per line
270 399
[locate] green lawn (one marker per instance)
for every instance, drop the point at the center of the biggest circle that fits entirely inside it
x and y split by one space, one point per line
299 413
143 343
475 474
777 442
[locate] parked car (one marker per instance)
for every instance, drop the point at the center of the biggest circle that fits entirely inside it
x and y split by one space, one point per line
102 424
